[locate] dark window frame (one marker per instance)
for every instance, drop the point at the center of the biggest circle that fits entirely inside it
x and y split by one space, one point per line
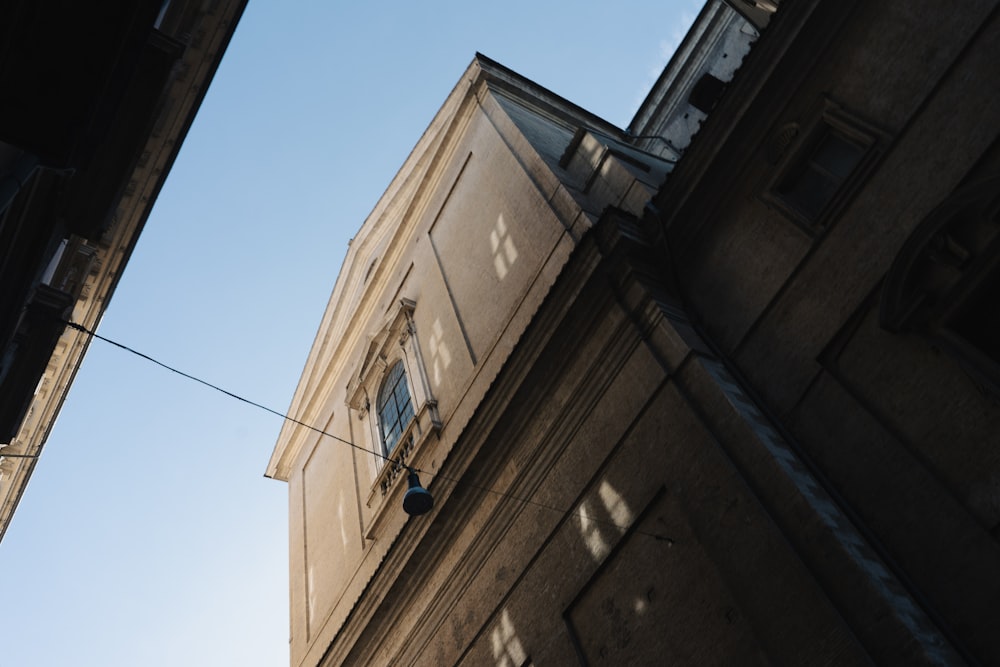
805 166
394 407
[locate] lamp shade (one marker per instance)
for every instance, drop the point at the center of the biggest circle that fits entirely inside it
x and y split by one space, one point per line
417 500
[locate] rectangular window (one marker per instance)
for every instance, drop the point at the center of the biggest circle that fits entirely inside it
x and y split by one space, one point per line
811 187
822 167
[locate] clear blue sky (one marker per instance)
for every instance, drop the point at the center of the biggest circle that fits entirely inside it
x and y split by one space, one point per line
148 535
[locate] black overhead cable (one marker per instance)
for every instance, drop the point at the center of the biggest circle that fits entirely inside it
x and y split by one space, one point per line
387 459
94 334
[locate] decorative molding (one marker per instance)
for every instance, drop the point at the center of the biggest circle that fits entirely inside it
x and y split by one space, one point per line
412 443
779 142
396 340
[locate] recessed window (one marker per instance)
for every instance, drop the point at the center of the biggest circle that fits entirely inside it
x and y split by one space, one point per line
820 167
395 410
812 186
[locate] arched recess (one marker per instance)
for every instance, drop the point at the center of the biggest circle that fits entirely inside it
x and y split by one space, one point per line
944 284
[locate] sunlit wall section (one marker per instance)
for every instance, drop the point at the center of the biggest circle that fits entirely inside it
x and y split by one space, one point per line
441 281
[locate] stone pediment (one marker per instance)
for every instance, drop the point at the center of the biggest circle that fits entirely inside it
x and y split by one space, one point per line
395 329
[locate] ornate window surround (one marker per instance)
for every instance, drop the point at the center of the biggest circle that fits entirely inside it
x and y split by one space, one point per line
947 267
395 341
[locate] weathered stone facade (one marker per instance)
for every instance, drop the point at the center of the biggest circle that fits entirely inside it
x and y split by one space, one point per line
96 102
734 410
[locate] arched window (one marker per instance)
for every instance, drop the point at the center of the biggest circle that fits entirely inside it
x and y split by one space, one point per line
394 407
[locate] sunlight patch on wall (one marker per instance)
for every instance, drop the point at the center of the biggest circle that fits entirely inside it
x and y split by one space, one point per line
507 648
614 513
616 506
340 519
591 533
504 251
440 354
311 595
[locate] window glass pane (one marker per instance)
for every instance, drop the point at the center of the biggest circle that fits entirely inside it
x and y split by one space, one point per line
386 419
811 190
406 414
812 185
389 384
395 409
837 155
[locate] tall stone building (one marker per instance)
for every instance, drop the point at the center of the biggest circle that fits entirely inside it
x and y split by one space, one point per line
720 388
95 101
